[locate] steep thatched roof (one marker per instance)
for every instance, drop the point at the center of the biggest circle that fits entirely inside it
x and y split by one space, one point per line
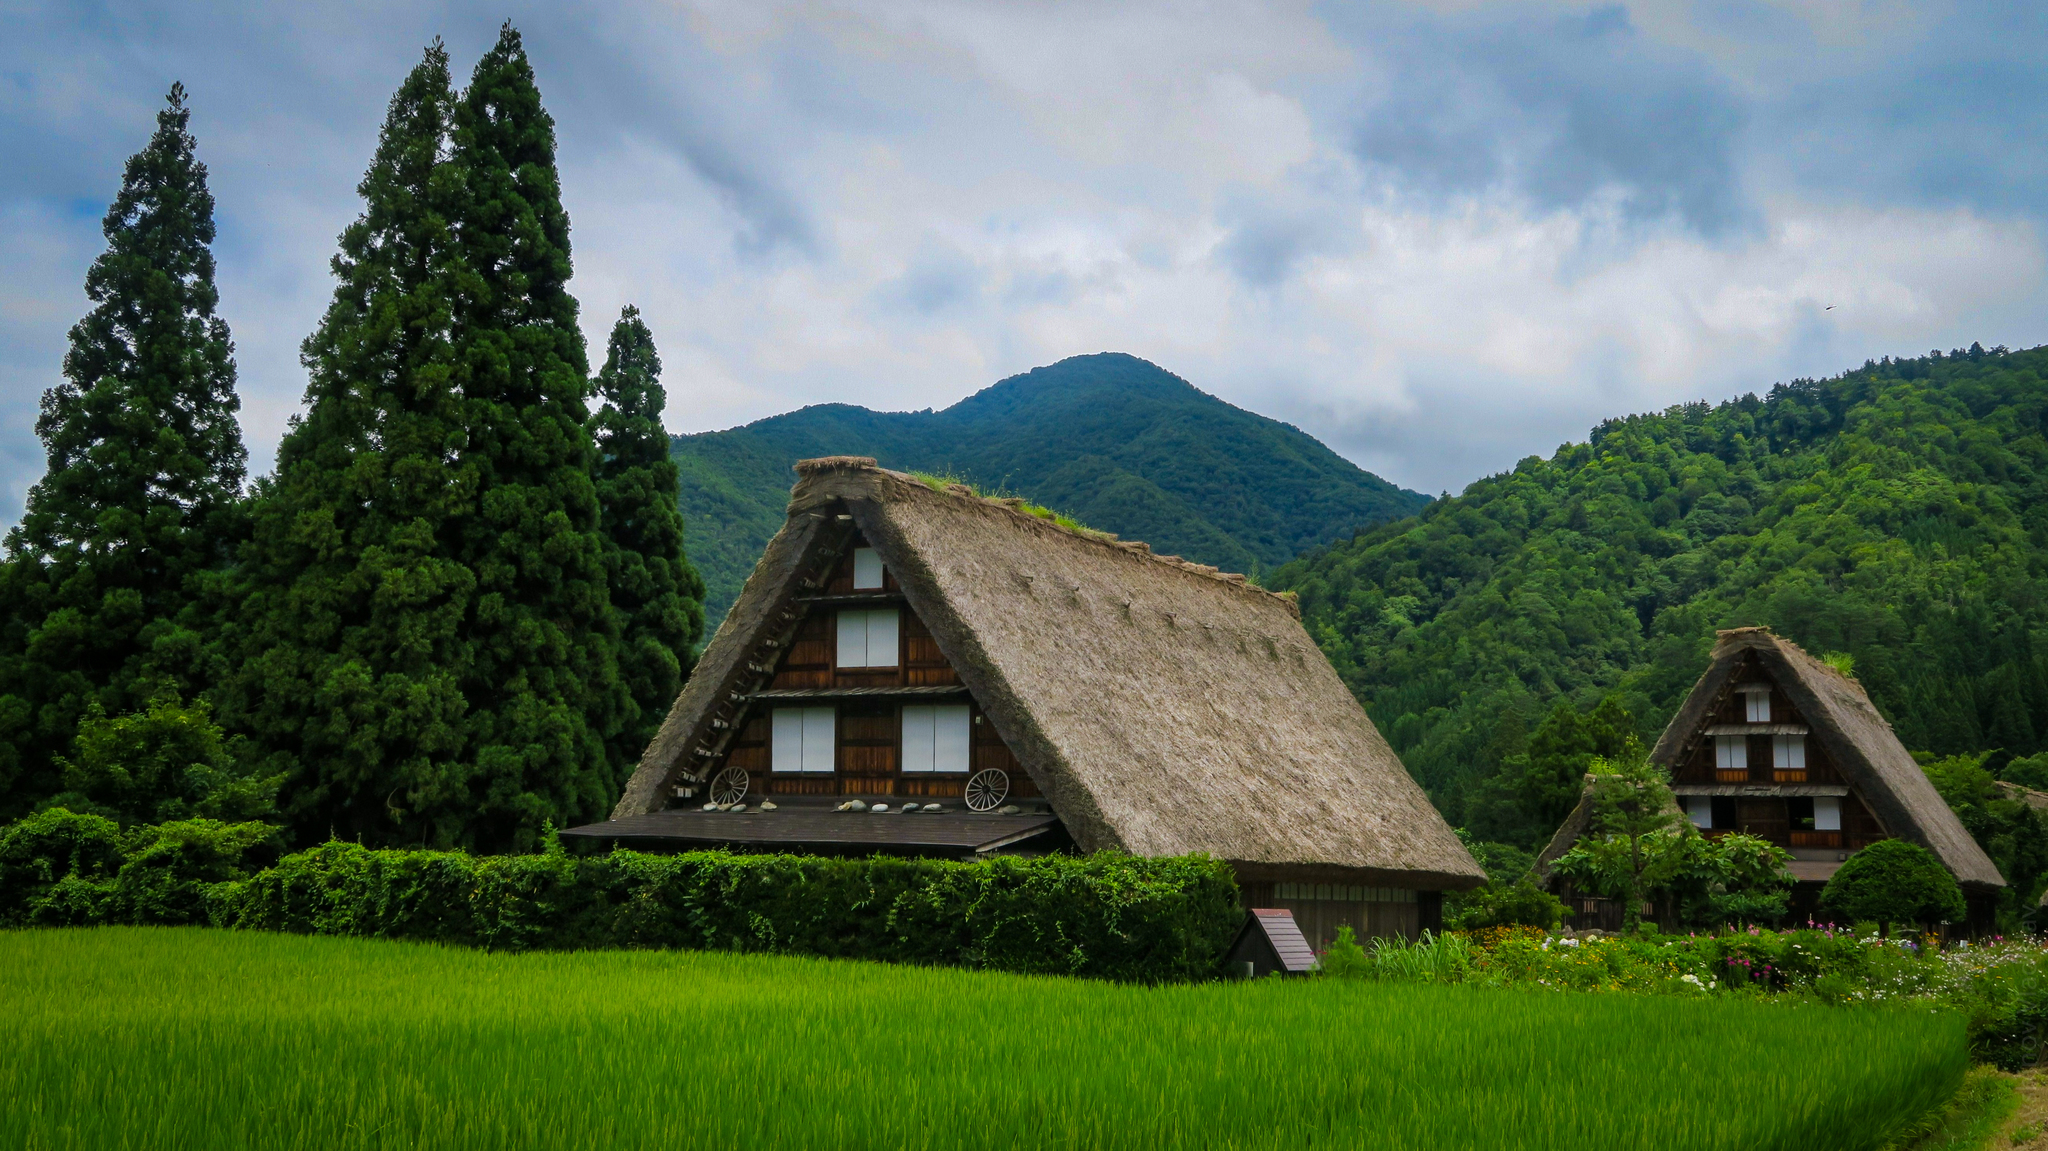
1843 720
1162 707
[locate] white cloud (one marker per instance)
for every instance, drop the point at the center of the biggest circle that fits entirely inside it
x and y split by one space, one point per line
896 205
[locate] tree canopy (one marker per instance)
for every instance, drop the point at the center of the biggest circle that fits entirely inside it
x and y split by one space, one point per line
113 568
656 593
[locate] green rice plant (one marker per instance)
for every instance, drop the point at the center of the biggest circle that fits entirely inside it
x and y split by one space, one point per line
197 1038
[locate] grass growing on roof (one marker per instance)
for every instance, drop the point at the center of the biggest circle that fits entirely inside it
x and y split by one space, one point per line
939 483
194 1038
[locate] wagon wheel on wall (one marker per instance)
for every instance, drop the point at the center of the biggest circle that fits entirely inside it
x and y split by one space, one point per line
730 786
987 789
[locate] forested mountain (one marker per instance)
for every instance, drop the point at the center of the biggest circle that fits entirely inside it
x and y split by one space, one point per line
1897 514
1118 443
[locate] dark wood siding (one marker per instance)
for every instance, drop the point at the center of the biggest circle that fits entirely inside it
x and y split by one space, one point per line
923 664
868 732
808 663
869 739
1321 909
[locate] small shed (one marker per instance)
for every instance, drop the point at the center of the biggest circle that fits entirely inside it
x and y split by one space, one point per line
1270 941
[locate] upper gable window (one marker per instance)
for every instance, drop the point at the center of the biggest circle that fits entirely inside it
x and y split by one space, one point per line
867 570
867 638
1757 705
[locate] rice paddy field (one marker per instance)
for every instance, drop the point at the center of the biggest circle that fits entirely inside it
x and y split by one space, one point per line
192 1038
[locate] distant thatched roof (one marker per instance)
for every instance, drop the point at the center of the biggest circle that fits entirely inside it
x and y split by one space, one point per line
1843 720
1162 707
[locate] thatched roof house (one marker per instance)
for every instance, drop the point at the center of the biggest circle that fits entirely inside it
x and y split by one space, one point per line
910 641
1775 743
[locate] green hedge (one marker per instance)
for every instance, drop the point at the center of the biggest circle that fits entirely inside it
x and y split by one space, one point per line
1107 916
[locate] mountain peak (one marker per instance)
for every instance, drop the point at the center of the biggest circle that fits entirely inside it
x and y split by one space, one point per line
1113 440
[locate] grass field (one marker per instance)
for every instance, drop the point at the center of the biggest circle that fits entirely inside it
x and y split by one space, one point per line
189 1038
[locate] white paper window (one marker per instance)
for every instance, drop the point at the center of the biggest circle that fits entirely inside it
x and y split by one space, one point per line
801 740
867 638
1758 708
1700 809
1788 752
935 737
1731 752
1827 813
867 569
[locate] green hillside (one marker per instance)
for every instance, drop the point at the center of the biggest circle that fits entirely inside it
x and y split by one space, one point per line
1898 513
1117 443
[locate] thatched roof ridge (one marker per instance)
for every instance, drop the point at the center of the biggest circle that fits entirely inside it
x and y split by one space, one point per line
1017 505
1844 720
1163 707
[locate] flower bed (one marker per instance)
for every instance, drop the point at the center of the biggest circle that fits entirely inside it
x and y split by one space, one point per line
2000 987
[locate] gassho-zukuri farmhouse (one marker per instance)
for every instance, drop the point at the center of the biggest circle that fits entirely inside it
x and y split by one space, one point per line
916 669
1776 744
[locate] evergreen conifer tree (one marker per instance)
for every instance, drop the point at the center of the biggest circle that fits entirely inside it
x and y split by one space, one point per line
353 630
140 508
657 595
541 682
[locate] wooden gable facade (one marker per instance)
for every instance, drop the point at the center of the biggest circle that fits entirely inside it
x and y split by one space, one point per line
1751 764
862 674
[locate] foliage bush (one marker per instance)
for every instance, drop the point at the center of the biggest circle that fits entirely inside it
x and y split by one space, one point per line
1106 915
66 868
1521 903
165 762
1893 881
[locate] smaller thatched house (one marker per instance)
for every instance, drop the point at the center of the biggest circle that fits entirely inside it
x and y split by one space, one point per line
1776 744
914 668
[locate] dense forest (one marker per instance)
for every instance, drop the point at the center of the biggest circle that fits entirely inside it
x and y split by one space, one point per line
1896 516
1111 440
458 608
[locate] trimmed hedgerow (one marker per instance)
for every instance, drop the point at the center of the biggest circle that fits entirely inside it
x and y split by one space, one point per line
1108 915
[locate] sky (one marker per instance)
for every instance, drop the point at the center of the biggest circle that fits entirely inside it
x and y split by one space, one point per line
1438 235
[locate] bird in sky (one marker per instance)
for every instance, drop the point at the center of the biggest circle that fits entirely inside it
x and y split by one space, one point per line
1829 308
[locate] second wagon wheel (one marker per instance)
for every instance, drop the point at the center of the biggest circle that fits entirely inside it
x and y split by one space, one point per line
729 786
987 789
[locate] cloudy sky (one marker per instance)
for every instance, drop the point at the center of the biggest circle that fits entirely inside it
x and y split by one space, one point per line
1438 235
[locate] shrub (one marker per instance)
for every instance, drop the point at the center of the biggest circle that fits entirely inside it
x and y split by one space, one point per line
1893 881
1520 904
166 762
63 868
53 868
172 870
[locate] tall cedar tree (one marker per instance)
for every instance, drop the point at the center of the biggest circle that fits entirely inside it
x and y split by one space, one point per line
655 592
354 632
541 678
135 520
